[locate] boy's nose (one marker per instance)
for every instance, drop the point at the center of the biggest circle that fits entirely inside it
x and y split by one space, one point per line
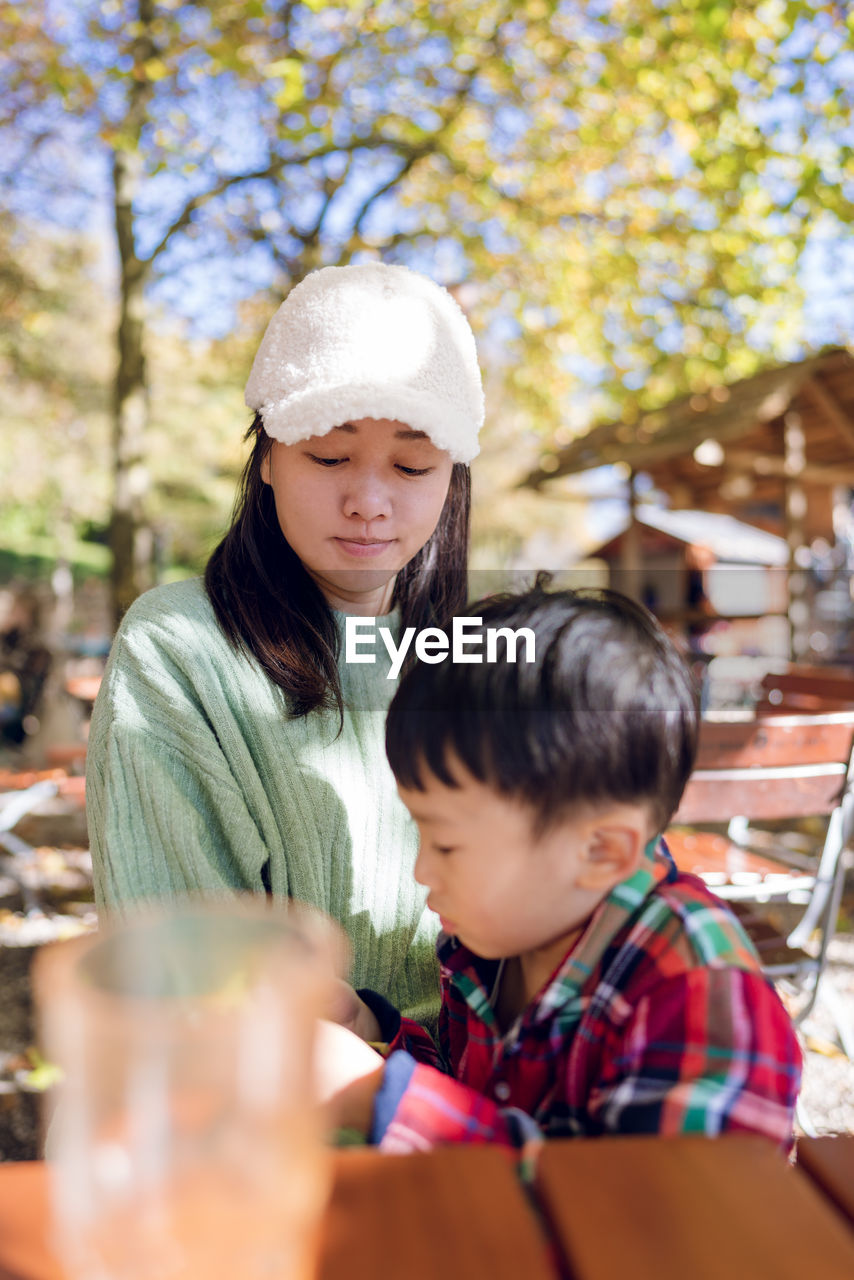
422 869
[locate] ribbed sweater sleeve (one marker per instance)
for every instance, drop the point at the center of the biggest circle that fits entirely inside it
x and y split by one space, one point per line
199 781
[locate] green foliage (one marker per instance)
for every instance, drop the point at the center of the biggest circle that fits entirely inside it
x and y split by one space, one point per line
54 429
195 450
53 363
623 190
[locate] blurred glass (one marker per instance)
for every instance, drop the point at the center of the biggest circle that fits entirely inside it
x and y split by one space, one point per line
186 1141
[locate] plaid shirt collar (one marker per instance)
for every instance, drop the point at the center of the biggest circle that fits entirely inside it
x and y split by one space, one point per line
475 977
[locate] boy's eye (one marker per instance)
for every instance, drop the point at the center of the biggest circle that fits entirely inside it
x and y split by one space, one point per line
444 848
414 471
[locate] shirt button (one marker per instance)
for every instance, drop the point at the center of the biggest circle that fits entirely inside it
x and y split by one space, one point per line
502 1091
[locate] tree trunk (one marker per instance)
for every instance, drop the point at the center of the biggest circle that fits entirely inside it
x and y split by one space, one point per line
130 536
130 412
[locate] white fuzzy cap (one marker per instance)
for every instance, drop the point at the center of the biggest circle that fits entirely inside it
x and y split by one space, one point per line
369 341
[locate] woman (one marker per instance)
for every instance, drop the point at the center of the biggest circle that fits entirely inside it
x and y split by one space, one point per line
234 747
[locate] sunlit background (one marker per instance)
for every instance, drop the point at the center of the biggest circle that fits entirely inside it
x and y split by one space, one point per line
639 205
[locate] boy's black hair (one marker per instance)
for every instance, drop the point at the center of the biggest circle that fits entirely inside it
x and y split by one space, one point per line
607 711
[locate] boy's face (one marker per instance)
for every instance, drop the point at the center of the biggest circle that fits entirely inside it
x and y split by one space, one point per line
500 887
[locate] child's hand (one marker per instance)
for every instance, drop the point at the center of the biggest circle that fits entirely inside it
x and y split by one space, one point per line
349 1011
348 1074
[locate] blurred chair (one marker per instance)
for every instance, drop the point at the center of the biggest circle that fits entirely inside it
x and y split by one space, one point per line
14 805
806 689
742 828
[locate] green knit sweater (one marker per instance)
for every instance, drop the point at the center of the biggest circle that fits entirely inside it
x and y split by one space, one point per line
197 779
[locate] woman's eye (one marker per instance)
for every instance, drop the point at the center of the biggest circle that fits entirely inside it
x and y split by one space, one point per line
444 848
414 471
326 462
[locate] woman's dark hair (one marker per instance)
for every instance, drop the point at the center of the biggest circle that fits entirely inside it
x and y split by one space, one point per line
268 604
606 711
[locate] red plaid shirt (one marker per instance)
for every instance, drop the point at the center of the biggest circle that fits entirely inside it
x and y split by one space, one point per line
658 1020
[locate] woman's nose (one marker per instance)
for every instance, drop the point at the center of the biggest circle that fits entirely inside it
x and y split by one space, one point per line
367 497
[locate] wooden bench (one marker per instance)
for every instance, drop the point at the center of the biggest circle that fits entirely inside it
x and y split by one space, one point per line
754 784
806 689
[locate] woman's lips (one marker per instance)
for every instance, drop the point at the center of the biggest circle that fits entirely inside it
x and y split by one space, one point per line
363 550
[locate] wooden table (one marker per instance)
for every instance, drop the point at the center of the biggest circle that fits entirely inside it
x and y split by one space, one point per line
633 1208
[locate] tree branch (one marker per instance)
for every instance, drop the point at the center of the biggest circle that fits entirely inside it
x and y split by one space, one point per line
458 102
331 188
369 202
409 154
272 170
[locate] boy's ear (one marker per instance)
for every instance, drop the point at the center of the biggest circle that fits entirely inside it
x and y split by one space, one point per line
612 853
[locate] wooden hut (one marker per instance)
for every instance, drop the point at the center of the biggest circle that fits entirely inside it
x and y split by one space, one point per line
775 450
697 566
703 572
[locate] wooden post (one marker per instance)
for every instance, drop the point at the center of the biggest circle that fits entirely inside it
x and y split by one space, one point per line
630 552
796 508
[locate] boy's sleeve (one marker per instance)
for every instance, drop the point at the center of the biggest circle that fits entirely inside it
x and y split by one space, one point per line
709 1051
418 1107
398 1032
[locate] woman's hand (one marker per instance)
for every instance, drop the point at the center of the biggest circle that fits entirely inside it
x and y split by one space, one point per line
348 1074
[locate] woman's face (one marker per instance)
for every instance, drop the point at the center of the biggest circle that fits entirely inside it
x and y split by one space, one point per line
357 504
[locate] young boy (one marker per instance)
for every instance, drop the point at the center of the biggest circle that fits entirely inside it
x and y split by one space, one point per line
588 987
